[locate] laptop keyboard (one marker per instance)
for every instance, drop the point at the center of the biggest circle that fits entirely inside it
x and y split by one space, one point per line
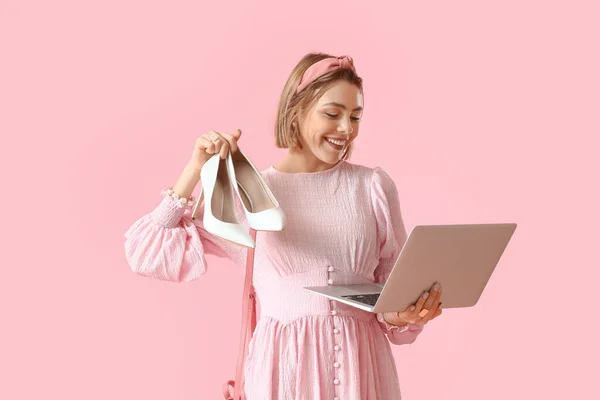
370 299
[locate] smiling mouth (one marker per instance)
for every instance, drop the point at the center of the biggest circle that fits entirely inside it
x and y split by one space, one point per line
336 144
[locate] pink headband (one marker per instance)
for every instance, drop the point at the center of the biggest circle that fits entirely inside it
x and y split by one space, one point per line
323 67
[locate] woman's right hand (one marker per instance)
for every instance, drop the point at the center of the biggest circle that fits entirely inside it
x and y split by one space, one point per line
212 143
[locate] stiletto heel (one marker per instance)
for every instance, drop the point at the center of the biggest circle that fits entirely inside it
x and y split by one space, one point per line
197 205
260 205
219 216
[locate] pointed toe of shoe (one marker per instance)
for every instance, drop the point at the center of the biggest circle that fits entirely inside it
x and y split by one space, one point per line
246 241
272 219
234 233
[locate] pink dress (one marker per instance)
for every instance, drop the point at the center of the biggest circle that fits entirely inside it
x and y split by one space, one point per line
343 226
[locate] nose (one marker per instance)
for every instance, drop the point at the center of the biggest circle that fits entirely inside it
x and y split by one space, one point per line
347 128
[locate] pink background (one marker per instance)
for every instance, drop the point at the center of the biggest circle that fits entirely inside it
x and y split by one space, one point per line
480 111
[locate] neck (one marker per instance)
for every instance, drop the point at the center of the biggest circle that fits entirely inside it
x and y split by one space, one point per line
298 161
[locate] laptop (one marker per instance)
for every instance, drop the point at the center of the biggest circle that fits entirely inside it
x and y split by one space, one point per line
461 257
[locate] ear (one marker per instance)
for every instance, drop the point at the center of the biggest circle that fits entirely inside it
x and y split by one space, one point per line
296 120
299 116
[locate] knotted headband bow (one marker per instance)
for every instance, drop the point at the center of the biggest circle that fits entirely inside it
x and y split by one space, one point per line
323 67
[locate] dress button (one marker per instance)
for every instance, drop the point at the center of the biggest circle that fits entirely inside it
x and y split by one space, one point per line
330 281
336 331
330 269
337 347
336 381
333 312
337 364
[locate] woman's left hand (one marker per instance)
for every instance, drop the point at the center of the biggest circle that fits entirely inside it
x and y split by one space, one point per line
424 310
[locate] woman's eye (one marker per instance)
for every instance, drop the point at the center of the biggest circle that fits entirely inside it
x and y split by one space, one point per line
336 115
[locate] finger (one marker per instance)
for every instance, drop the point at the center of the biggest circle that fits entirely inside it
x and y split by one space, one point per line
218 144
433 312
409 313
429 304
212 135
407 317
224 149
433 298
202 142
438 300
232 139
421 302
217 139
437 313
437 303
205 145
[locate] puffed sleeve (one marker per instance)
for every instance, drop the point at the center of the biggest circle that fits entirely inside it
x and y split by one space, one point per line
167 244
391 235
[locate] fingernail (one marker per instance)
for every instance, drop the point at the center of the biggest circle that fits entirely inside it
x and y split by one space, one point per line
437 287
425 295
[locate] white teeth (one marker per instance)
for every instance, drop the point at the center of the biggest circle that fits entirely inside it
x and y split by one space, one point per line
338 142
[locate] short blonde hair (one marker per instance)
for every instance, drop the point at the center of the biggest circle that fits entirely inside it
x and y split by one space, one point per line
291 103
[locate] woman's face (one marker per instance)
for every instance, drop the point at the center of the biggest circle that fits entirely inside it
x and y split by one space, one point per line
329 126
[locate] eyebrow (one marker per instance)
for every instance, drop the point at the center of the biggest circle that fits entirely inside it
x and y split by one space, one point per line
333 103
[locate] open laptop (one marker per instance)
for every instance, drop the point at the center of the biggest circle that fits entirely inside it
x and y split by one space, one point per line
460 257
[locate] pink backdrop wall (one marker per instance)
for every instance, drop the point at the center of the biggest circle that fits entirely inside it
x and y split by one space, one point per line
480 111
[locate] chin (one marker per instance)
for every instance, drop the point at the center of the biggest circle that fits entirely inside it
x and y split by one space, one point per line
328 158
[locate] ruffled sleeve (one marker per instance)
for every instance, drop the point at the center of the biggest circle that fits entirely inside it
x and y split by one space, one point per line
167 244
391 235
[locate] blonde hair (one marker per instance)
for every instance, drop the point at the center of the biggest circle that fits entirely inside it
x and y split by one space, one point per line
291 103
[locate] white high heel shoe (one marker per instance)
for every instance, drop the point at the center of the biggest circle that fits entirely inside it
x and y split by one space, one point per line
261 207
219 207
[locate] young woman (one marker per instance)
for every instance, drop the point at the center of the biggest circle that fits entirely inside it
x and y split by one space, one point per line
343 226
